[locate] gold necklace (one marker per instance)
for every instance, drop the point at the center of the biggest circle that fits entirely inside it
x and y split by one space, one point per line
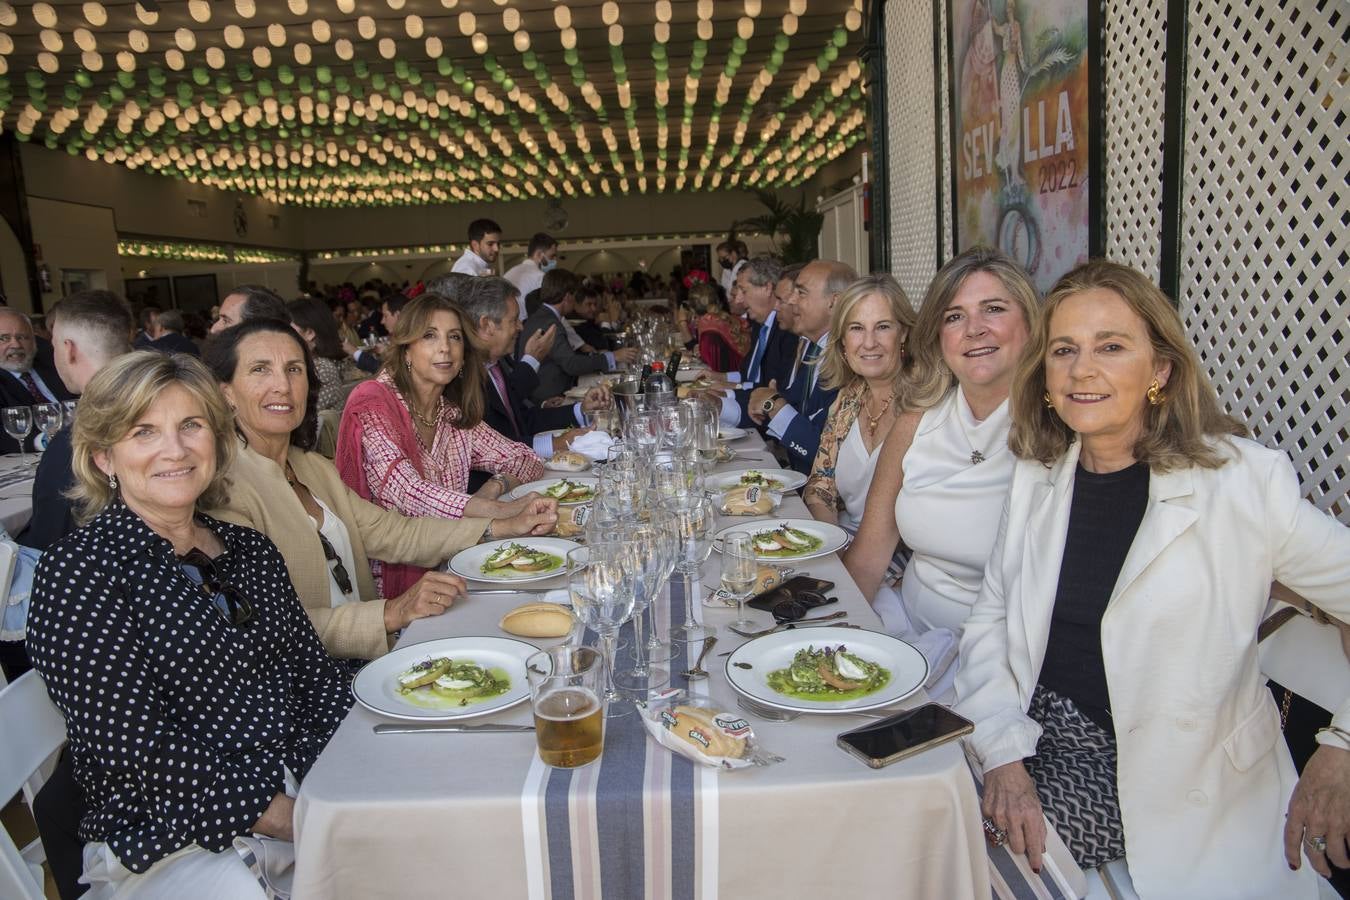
867 409
431 422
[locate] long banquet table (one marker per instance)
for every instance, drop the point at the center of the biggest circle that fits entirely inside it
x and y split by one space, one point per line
16 491
478 815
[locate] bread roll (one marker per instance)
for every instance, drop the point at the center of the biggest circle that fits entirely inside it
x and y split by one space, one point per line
747 500
538 620
699 728
571 520
568 461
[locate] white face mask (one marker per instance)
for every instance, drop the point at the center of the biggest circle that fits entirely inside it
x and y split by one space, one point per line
548 264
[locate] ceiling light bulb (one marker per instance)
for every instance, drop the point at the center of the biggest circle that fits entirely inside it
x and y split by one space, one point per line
200 10
262 57
126 61
173 58
615 35
387 48
396 5
705 29
146 16
215 57
745 27
346 6
303 55
609 12
92 61
343 48
568 38
521 40
562 16
852 20
434 47
8 16
789 25
661 31
51 40
663 10
185 39
510 18
365 26
47 62
479 42
44 14
276 34
246 8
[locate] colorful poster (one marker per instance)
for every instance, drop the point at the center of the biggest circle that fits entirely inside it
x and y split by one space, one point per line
1021 131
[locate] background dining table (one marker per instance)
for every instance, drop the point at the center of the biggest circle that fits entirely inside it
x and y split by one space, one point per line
16 491
478 815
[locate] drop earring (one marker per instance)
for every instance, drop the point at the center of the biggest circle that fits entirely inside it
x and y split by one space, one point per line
1154 394
112 482
1049 404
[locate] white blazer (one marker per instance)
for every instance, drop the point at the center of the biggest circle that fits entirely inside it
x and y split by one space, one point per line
1203 775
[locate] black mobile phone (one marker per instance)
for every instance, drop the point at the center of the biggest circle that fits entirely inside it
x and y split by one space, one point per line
904 734
800 588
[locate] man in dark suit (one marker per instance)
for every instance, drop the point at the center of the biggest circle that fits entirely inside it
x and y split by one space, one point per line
168 334
796 416
563 365
492 305
22 381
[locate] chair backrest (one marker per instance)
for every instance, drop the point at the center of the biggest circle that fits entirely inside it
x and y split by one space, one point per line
33 731
326 440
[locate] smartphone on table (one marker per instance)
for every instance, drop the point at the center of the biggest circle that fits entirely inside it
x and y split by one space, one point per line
904 734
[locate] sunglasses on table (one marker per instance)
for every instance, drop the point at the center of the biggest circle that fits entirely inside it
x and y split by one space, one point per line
232 604
791 606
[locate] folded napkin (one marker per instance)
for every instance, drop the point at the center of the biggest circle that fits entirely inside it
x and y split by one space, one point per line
593 444
938 645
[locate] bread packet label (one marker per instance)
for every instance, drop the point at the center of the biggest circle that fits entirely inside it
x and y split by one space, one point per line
702 733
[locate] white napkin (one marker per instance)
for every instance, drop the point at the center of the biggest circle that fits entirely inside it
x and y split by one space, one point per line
593 444
938 645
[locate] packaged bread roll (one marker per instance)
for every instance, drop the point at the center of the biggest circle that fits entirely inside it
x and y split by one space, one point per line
747 500
572 520
538 620
569 461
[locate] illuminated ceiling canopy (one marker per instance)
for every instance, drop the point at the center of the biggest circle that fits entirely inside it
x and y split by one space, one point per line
383 102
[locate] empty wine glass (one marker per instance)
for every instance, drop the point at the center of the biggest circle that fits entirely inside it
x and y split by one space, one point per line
644 431
740 568
677 424
69 407
694 525
603 582
643 538
674 473
48 417
18 422
622 491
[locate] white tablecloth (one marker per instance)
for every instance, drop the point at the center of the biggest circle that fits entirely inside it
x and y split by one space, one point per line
16 499
430 815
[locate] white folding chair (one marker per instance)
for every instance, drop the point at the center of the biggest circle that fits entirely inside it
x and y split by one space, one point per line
8 554
34 732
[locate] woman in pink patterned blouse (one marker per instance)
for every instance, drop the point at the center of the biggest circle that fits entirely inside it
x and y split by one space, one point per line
410 436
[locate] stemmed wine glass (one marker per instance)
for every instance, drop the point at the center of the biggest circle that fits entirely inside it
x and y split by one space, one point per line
694 525
622 491
48 417
603 582
740 567
18 422
645 540
703 431
69 406
665 544
677 422
674 473
644 431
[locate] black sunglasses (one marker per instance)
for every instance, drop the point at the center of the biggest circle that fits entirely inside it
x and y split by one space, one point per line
233 605
340 574
796 604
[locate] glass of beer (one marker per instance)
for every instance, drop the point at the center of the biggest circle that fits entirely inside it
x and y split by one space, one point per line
566 684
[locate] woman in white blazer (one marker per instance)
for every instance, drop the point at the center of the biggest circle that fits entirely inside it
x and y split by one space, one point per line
1110 661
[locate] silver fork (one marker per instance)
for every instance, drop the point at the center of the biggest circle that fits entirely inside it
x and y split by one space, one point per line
786 625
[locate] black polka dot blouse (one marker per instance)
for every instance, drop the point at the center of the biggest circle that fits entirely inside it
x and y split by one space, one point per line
180 723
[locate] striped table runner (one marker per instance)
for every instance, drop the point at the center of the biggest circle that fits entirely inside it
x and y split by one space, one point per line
640 823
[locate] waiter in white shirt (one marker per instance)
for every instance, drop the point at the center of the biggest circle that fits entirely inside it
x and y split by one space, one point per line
528 274
485 242
731 257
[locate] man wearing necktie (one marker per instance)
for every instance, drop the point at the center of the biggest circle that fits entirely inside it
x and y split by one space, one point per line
24 380
796 415
772 347
492 304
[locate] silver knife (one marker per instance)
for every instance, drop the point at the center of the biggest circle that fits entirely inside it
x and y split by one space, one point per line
443 728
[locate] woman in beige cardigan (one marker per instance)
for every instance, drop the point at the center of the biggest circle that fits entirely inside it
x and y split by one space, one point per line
325 532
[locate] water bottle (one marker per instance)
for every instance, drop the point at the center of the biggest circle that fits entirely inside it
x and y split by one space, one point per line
659 387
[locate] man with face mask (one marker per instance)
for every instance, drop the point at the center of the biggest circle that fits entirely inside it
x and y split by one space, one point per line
527 275
730 256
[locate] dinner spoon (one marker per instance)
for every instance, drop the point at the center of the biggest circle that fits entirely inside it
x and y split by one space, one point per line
698 671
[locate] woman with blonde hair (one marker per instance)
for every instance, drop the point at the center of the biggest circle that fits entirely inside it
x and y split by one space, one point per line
1110 661
945 467
194 689
866 350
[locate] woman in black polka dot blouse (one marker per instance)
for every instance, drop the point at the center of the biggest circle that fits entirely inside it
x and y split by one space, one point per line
194 688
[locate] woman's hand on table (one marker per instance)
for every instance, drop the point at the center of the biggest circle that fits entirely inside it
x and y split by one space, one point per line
539 517
1011 801
276 820
433 594
1320 808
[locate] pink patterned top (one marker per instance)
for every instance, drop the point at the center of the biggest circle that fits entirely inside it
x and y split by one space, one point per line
441 491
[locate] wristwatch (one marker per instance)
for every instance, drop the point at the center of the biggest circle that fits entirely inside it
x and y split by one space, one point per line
767 406
502 480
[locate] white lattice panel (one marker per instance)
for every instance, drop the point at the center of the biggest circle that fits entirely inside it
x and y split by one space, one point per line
909 99
1266 225
1135 44
948 242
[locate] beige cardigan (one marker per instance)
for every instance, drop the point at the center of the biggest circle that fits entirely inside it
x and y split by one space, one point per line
261 498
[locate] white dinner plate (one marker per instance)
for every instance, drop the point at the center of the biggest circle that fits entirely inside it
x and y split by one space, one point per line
787 479
376 685
832 537
767 654
542 485
731 432
469 561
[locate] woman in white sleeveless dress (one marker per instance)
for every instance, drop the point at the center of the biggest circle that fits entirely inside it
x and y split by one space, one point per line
944 469
864 352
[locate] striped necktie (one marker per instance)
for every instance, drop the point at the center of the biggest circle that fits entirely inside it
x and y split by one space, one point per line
809 375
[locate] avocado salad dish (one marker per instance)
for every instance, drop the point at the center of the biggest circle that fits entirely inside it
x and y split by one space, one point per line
830 673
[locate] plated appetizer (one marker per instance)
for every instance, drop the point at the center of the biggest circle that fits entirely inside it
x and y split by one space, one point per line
566 491
514 558
830 673
785 542
756 477
441 683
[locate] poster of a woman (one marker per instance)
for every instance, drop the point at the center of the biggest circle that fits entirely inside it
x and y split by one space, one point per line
1021 130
